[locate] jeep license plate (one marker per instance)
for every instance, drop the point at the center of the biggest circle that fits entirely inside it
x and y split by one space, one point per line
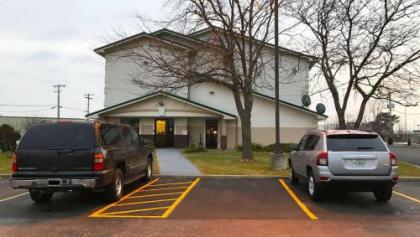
359 164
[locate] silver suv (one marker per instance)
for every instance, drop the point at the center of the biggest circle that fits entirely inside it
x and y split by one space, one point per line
352 160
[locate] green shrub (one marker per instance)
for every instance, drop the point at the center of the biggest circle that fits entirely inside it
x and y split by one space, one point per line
195 148
258 147
255 147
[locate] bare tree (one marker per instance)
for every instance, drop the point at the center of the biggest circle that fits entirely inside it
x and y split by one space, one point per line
369 47
234 56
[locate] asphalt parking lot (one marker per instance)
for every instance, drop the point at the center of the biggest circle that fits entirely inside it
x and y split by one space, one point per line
213 206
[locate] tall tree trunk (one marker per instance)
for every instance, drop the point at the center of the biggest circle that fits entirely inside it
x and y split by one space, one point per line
246 136
341 120
245 116
360 114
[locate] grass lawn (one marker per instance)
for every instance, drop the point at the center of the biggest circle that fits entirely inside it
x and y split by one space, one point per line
230 163
5 163
406 169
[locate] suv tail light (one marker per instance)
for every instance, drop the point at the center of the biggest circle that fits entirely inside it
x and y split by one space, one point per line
322 159
98 160
14 164
392 159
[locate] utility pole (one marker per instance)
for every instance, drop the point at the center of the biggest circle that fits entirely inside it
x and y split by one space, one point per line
88 96
278 160
277 147
58 91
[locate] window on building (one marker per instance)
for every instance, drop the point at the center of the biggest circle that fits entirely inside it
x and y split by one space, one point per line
133 122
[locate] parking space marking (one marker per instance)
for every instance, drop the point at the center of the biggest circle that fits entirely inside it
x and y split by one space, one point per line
153 201
295 198
144 205
136 210
161 189
169 184
9 198
181 197
407 197
154 195
98 213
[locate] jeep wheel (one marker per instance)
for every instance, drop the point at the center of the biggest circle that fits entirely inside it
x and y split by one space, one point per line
314 189
383 195
116 189
149 170
40 196
293 179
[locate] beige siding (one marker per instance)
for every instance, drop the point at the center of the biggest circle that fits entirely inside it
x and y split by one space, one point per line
181 126
147 126
196 128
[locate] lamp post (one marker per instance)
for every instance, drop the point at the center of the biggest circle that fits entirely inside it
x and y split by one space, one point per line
278 160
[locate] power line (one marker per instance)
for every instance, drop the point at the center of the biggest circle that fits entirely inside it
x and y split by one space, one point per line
58 91
24 105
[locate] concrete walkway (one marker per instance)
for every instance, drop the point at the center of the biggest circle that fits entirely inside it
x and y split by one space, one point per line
172 162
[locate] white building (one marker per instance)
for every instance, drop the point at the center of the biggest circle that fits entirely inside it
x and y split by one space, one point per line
206 113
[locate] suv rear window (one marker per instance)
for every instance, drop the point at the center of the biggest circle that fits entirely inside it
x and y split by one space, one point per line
355 142
59 135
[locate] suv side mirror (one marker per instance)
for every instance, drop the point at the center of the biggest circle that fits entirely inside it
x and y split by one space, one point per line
293 147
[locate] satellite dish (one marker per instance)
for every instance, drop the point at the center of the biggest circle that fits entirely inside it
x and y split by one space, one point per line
320 108
306 100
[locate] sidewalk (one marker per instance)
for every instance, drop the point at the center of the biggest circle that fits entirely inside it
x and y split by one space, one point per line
173 163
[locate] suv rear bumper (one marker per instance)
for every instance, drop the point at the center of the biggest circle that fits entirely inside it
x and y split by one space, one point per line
54 183
96 180
362 183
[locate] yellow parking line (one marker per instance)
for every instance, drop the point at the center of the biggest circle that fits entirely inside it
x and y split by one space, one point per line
180 198
144 202
169 184
302 206
97 213
155 195
136 210
407 197
18 195
160 189
128 216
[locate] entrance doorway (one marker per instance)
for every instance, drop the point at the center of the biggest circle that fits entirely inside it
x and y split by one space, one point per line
164 132
211 133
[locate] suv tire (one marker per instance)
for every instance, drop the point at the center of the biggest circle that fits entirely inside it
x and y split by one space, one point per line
314 189
40 196
383 195
115 190
292 175
149 170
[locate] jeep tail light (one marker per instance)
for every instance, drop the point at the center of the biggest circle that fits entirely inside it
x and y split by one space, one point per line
322 159
392 159
14 164
98 161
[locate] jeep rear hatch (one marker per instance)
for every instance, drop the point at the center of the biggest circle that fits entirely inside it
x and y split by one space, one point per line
357 154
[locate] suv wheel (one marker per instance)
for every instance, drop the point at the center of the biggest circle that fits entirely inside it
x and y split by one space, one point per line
293 179
116 189
383 195
314 189
148 171
40 196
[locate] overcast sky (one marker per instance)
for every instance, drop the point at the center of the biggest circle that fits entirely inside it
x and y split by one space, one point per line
46 42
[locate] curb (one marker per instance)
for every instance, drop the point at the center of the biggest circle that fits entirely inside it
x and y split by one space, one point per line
411 178
5 175
222 176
